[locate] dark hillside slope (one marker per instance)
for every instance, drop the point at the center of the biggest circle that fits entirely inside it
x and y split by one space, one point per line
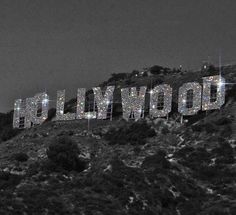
149 167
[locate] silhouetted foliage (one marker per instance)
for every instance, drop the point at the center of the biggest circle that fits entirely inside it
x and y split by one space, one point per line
230 93
6 129
227 131
20 156
134 133
165 130
211 69
223 121
8 180
6 119
51 114
117 110
155 70
117 77
210 128
8 133
64 153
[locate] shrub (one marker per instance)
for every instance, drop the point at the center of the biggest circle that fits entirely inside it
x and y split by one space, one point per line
9 133
226 132
158 160
165 130
210 128
51 114
49 166
8 180
117 77
197 128
223 121
33 169
224 153
20 156
37 200
134 133
64 153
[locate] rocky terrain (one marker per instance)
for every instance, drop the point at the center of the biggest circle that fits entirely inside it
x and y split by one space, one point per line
148 167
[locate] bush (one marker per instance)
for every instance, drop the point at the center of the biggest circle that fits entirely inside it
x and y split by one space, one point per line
210 128
224 153
9 133
64 153
47 167
197 128
157 160
223 121
8 180
136 134
20 156
51 114
226 132
117 77
165 130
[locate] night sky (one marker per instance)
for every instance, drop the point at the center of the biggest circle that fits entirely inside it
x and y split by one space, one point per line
65 44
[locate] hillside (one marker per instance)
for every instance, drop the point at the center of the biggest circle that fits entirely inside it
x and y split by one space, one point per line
149 167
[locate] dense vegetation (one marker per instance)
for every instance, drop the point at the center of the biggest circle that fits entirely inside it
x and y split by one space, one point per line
134 133
63 153
6 130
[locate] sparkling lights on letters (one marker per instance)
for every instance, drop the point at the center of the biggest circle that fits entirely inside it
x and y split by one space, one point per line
210 99
103 101
41 99
133 102
189 106
60 107
192 98
160 101
31 111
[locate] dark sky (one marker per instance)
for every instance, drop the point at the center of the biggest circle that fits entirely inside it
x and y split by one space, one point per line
66 44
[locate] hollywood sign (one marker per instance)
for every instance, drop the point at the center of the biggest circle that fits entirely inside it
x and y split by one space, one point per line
192 97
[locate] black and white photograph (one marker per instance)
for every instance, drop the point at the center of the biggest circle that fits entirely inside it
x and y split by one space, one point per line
117 107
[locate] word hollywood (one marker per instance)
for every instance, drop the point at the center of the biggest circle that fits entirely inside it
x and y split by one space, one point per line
192 98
